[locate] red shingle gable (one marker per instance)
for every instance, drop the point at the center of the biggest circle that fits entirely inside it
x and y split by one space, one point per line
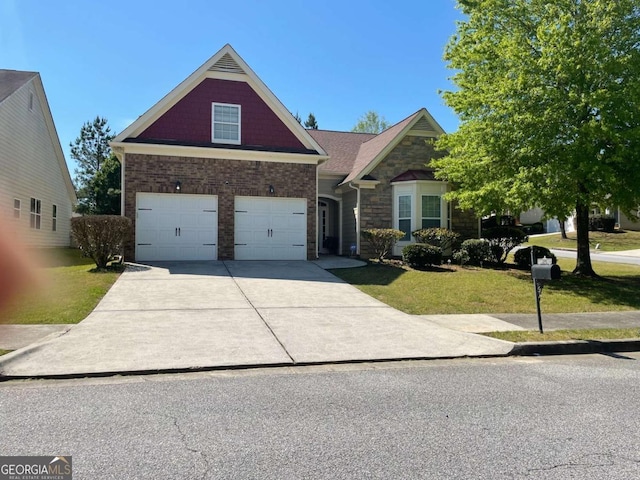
189 120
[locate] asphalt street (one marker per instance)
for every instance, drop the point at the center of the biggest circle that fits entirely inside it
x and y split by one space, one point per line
508 418
601 257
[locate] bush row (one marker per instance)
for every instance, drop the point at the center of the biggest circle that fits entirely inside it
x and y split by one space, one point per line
434 243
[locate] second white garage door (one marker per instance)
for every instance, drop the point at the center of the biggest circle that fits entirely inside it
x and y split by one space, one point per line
176 227
269 228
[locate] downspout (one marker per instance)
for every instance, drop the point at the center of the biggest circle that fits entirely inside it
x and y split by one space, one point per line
357 189
119 153
317 200
122 190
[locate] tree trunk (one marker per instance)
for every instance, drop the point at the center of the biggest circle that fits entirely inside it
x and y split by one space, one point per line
583 261
563 229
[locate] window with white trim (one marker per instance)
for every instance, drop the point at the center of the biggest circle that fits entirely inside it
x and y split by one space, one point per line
225 123
36 211
54 224
404 216
431 211
17 205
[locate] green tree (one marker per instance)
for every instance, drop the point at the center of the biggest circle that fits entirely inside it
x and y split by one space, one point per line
90 149
370 122
311 122
548 101
106 187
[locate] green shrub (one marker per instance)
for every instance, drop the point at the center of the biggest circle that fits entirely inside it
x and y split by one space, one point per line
101 237
602 223
421 255
382 240
522 257
502 240
474 251
439 237
461 256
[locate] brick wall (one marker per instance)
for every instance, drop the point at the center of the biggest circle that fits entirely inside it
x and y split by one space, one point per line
412 153
464 222
224 178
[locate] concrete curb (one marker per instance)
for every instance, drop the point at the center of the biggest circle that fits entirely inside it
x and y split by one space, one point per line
573 347
570 347
161 371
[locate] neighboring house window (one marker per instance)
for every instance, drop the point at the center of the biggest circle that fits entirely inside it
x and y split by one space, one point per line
30 100
54 225
36 207
430 211
404 216
225 123
16 207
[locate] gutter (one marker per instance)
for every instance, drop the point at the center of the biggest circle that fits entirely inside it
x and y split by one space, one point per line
357 189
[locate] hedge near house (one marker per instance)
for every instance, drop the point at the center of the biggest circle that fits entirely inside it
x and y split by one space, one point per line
439 237
522 257
382 240
502 240
421 255
101 237
473 251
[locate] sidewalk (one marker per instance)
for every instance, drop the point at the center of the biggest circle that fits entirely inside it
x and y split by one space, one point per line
501 322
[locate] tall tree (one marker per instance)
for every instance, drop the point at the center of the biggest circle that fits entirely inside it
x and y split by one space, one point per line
370 122
311 122
90 149
106 187
548 102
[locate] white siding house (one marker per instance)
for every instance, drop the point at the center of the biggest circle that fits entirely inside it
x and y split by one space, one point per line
36 193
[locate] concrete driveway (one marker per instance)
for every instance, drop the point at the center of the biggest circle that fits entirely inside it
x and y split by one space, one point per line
176 316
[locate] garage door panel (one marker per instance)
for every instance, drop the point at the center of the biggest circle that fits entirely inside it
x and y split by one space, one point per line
176 227
269 228
290 252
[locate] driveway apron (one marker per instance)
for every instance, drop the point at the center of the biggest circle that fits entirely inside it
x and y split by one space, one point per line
186 315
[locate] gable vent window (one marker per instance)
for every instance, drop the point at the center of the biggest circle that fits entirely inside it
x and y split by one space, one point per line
36 207
226 123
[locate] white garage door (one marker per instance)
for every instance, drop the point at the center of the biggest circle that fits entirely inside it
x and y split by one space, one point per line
269 228
176 227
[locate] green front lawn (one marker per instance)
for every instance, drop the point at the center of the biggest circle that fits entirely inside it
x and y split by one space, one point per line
483 290
609 242
68 293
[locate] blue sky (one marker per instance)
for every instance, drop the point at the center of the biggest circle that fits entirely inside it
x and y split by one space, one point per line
337 59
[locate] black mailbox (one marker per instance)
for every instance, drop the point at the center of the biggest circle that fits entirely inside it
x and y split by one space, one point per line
545 272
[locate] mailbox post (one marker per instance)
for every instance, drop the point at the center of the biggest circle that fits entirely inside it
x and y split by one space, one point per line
542 272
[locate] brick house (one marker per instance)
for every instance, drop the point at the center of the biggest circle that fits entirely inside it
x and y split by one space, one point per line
220 169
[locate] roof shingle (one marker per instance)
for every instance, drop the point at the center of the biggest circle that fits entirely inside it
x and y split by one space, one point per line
342 148
12 80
